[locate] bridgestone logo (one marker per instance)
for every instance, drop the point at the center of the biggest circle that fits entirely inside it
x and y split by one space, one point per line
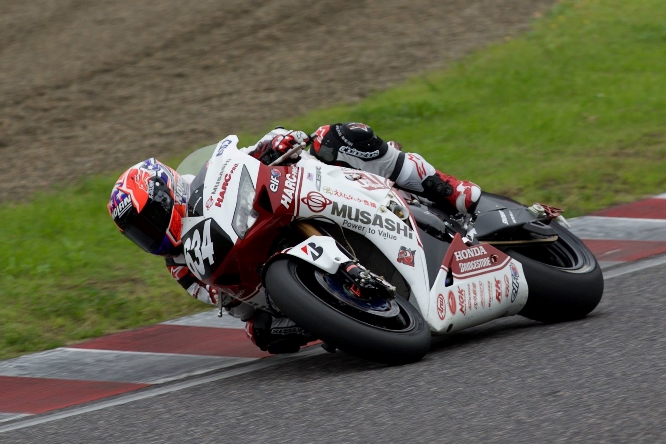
475 265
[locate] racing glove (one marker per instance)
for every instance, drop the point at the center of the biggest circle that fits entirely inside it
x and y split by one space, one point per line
268 151
276 335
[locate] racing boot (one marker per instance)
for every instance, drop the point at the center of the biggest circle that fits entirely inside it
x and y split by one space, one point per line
447 191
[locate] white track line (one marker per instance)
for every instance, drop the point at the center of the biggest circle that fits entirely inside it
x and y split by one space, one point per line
114 366
9 416
208 319
618 228
151 392
632 267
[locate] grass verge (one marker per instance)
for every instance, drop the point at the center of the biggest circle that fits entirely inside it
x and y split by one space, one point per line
571 114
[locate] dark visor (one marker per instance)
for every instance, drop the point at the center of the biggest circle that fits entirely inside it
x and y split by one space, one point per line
148 228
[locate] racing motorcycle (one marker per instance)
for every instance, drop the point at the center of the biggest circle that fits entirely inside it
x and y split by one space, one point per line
369 269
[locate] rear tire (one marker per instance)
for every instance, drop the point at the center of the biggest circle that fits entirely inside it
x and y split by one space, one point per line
402 339
564 279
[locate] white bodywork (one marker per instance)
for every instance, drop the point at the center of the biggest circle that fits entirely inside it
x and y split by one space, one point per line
360 201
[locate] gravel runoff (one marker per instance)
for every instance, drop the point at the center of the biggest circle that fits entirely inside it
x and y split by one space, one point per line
89 87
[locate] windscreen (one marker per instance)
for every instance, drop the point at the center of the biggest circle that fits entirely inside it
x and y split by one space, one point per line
193 163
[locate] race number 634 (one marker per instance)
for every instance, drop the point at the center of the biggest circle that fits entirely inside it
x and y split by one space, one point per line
198 249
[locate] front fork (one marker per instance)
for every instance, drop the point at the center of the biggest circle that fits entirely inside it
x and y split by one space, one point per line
323 252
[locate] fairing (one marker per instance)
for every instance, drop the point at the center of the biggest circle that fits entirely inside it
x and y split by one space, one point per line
359 201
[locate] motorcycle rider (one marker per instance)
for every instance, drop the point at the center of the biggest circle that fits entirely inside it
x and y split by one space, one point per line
149 201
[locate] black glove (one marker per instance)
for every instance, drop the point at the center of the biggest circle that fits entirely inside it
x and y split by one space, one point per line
276 335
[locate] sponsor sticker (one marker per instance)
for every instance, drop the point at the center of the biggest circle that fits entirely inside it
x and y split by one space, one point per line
219 177
462 300
452 302
316 202
362 220
315 250
289 188
349 197
223 188
441 307
515 281
498 290
275 180
367 181
221 147
406 256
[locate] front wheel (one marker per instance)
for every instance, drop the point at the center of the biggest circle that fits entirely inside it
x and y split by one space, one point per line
398 336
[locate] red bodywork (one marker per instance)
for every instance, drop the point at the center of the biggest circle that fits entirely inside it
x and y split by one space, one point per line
240 271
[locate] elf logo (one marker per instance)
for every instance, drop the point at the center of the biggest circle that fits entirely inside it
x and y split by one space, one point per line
275 180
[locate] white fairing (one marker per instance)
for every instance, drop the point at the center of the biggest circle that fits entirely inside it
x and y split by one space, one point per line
230 162
481 290
320 251
221 188
359 201
476 298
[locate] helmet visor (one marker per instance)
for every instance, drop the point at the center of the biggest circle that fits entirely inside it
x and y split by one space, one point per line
148 228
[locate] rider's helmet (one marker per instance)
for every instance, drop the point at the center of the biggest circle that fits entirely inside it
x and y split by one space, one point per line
147 204
352 138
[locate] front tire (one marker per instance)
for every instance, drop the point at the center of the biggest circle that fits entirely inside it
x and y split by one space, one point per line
564 279
402 339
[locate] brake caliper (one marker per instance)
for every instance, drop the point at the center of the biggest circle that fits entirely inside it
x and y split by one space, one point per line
362 281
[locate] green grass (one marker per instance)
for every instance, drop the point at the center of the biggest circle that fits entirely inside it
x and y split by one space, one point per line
66 274
571 114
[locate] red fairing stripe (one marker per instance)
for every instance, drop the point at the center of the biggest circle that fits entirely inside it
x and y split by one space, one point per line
297 197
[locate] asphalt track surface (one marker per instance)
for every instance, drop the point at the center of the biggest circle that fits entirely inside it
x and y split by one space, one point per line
601 379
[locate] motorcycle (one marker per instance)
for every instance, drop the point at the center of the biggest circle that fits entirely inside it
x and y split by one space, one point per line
370 269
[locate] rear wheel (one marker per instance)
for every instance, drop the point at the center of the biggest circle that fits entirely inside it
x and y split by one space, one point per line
564 278
391 332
